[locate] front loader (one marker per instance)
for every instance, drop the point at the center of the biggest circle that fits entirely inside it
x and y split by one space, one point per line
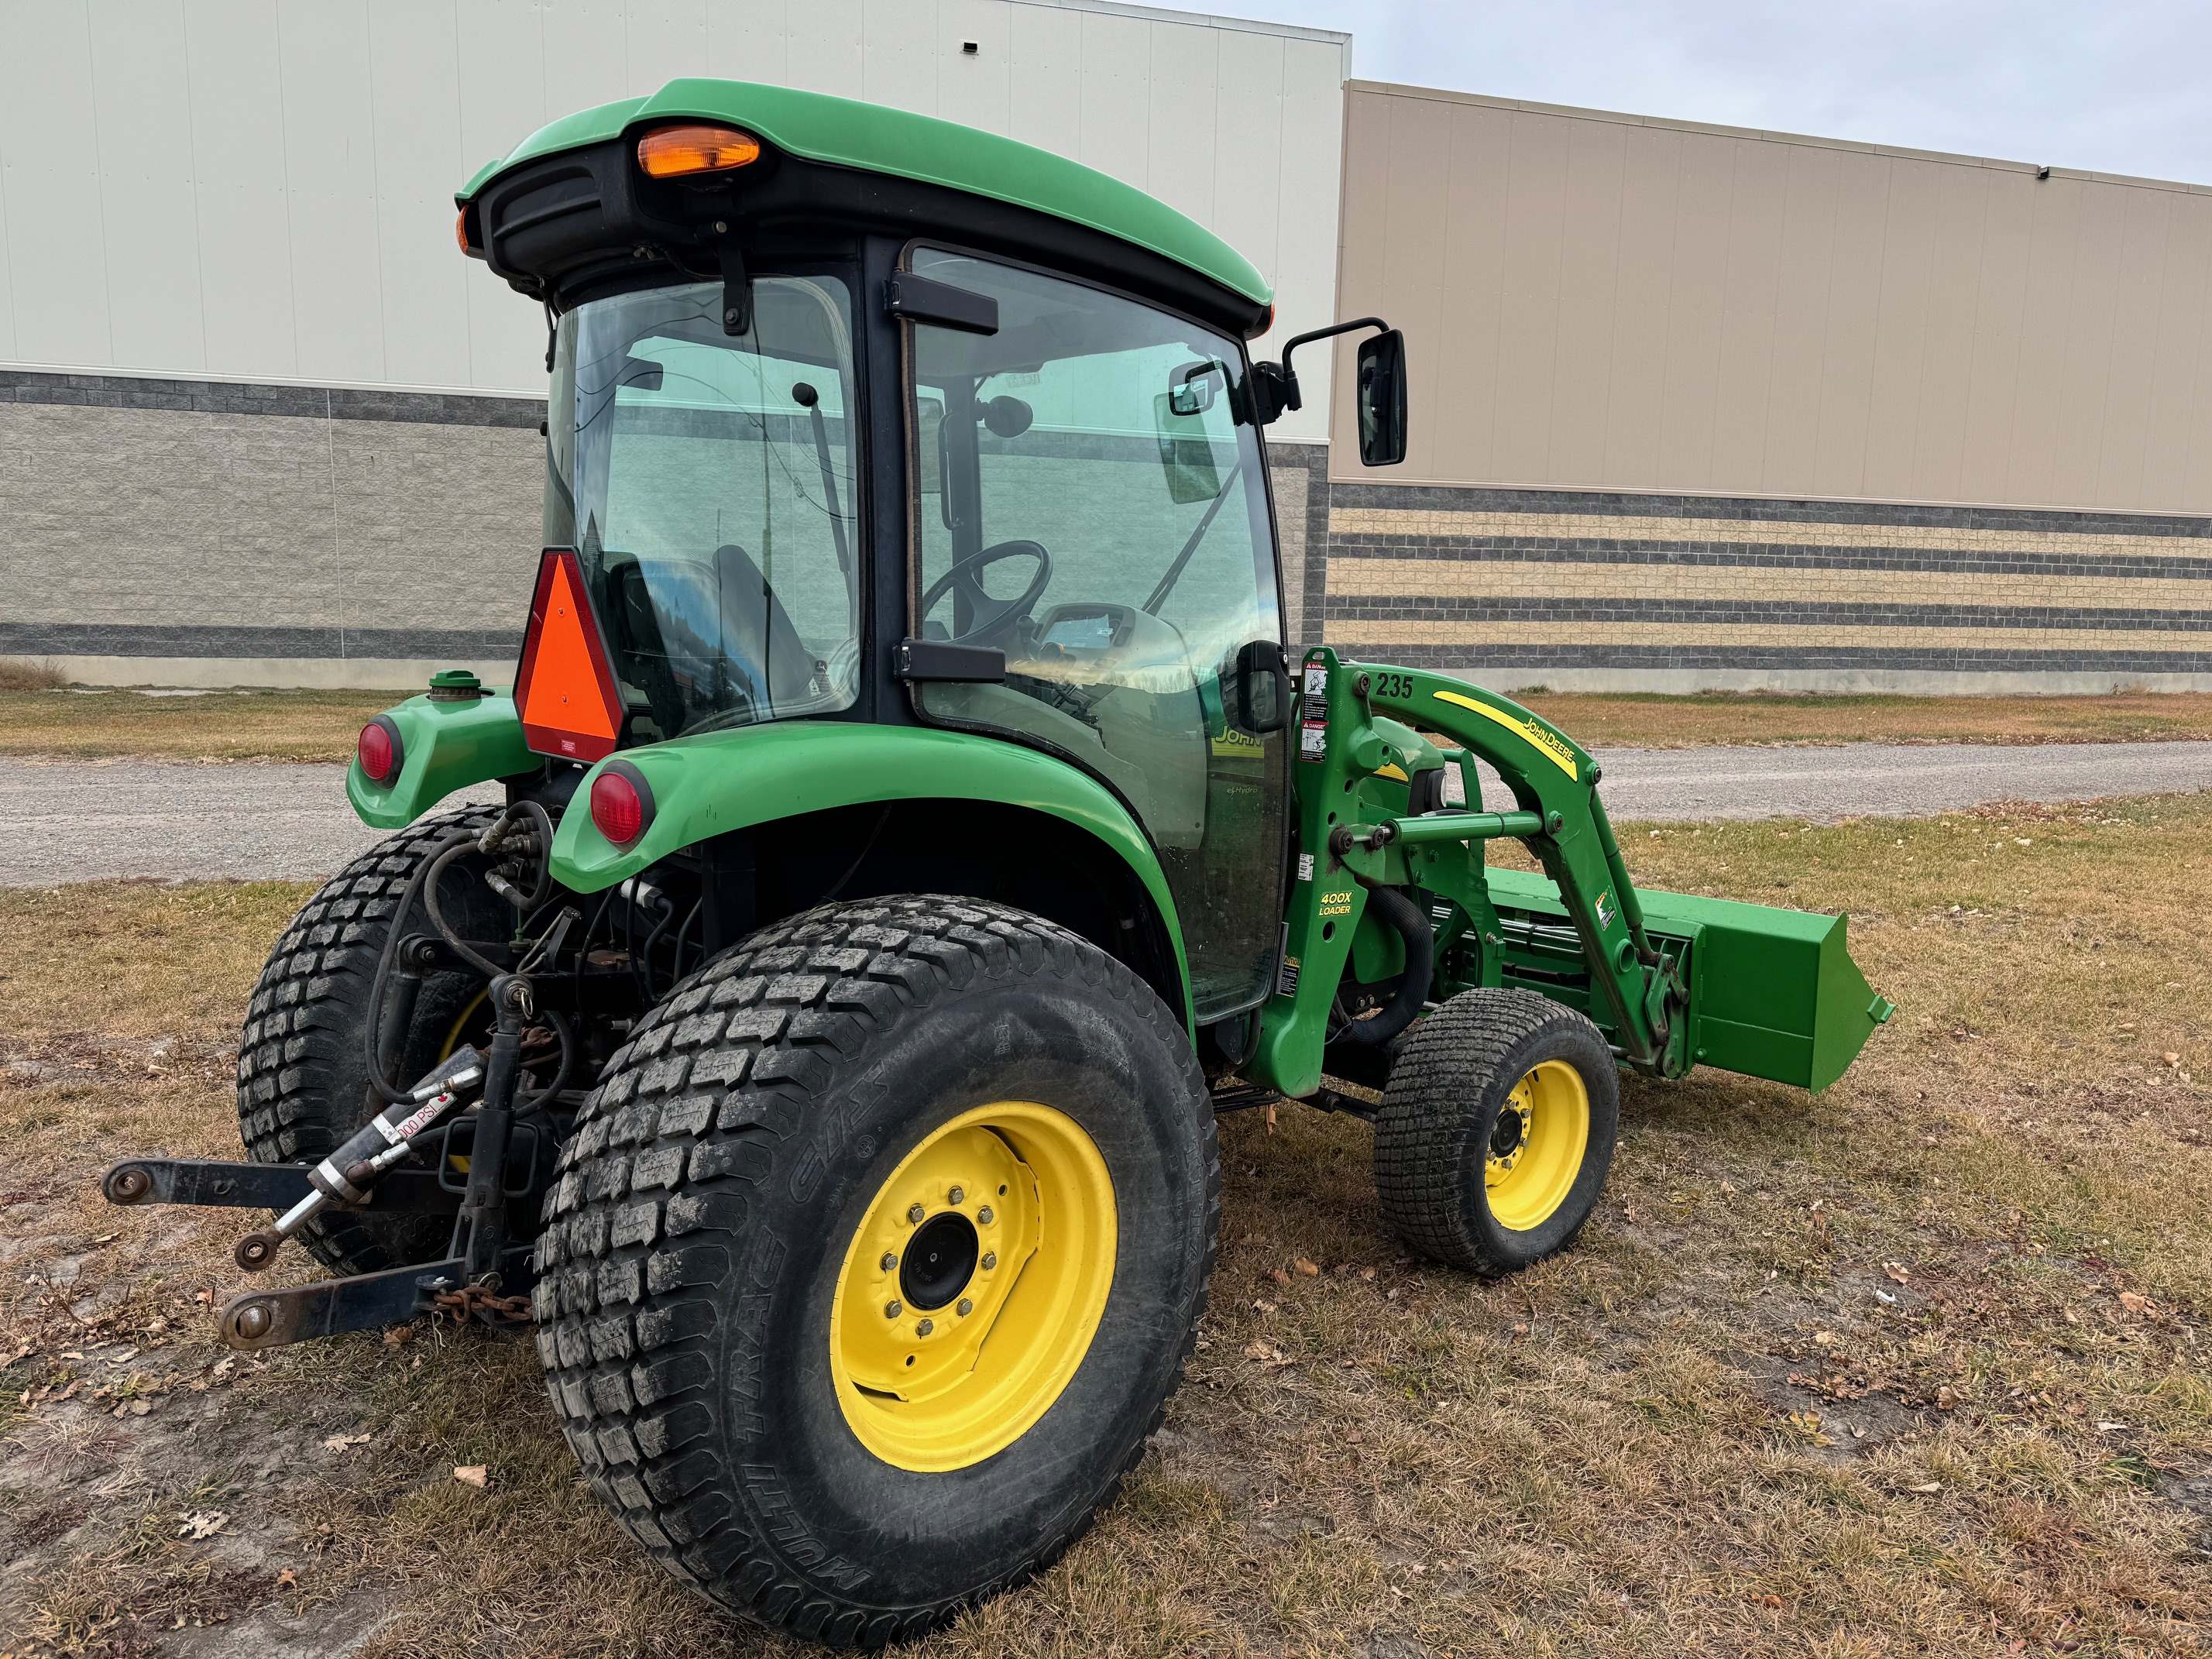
912 831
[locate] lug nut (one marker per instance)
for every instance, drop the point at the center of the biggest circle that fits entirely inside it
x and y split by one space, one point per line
889 1261
891 1310
923 1326
956 1197
916 1215
967 1307
983 1215
990 1260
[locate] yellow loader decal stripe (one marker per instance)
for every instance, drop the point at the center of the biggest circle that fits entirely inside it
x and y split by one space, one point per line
1554 749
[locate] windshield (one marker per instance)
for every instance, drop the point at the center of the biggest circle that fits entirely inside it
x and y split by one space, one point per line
707 482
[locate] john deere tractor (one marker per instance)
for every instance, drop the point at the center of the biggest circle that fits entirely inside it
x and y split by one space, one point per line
912 833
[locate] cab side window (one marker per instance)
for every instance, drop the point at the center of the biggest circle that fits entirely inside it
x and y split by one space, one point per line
1100 515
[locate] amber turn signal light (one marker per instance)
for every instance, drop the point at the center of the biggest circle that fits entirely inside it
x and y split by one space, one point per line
682 152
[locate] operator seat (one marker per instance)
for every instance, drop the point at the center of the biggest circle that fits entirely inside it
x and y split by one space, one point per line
758 635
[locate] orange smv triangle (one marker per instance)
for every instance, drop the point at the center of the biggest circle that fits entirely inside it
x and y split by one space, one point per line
565 688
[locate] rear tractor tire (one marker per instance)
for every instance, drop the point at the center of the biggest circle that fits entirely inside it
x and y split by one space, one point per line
875 1258
1496 1131
302 1065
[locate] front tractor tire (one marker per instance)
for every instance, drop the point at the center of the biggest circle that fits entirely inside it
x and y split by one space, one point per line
875 1259
1496 1131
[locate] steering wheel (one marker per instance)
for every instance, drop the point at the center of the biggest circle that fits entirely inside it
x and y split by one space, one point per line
994 617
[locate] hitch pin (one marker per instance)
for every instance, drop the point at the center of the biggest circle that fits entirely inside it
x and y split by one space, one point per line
346 1174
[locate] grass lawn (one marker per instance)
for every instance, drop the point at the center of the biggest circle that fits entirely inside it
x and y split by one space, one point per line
322 725
1920 1366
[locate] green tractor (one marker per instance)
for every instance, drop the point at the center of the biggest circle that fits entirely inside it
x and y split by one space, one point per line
914 833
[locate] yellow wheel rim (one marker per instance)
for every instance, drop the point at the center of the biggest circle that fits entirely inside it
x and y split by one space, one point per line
471 1014
1536 1147
970 1291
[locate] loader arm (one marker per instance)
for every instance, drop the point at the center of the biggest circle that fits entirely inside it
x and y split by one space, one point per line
1791 1006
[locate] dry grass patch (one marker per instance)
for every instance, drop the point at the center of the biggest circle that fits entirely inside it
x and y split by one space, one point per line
1916 1367
1653 720
316 725
30 674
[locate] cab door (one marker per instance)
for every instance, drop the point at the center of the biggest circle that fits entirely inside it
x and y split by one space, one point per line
1093 503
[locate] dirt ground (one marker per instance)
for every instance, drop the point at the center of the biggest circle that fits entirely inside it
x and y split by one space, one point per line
1919 1366
322 725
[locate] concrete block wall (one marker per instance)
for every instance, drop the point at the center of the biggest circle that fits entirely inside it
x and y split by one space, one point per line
191 533
195 533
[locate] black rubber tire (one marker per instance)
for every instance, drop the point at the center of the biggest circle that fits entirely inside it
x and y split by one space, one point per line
302 1076
1448 1085
693 1240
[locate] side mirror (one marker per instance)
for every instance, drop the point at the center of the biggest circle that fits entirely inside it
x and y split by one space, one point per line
1263 687
1382 394
1191 390
1007 417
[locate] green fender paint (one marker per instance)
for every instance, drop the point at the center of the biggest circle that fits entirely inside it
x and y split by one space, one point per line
871 138
443 746
718 781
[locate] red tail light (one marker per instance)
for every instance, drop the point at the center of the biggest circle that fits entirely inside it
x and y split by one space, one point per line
379 749
622 804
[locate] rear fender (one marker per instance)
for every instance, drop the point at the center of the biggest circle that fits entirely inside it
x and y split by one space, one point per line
719 782
443 746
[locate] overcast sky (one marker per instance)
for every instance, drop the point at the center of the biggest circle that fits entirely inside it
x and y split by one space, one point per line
2124 86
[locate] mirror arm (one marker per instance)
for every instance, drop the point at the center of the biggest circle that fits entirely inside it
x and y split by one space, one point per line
1288 377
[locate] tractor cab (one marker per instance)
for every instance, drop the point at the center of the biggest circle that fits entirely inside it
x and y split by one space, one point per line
856 417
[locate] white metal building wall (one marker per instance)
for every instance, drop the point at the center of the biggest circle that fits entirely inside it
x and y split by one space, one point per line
262 190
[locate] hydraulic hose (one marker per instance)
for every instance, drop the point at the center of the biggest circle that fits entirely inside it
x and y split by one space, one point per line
1401 914
372 1028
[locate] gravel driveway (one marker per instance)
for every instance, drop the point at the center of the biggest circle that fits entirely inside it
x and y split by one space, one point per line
82 820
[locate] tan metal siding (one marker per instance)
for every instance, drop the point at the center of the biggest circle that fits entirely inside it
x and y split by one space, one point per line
1604 301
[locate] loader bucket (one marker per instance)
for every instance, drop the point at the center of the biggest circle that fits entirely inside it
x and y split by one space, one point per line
1773 993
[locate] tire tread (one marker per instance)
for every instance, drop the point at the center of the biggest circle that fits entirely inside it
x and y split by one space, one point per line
651 1215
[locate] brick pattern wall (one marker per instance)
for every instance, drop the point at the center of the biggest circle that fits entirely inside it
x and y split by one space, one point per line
170 519
1492 581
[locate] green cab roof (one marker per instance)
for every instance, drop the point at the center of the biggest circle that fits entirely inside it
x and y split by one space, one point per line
841 132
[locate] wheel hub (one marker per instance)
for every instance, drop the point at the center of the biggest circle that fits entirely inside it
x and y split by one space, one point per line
940 1261
1536 1146
972 1287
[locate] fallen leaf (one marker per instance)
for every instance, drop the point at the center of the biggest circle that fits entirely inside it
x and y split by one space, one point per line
1278 1275
1932 1485
1263 1352
1263 1306
1307 1269
201 1523
2134 1304
1945 1398
339 1443
2171 1058
2110 1428
288 1579
1896 1270
399 1336
472 1474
